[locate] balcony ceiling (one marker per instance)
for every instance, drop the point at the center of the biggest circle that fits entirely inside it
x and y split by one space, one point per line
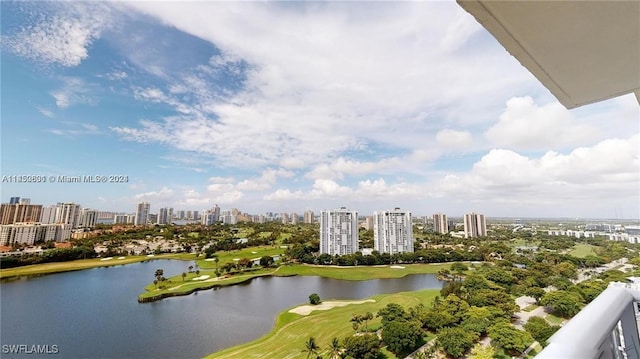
582 51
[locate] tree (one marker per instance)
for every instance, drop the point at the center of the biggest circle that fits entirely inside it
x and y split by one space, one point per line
563 303
190 268
334 348
184 275
155 282
402 336
477 320
365 346
509 338
481 352
535 292
391 312
540 329
455 341
159 273
311 347
266 261
314 299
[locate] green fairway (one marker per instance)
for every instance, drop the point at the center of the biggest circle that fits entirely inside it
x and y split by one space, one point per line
251 253
583 250
361 272
287 339
56 267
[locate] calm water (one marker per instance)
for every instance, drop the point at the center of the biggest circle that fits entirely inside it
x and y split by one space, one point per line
95 314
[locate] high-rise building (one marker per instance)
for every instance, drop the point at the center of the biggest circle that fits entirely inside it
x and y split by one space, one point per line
68 213
17 213
163 215
475 225
120 219
440 223
294 218
284 217
142 213
308 217
338 231
14 200
392 231
48 214
24 201
30 233
88 218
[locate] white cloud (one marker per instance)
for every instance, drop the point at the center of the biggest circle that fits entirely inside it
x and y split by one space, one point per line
340 82
46 112
73 129
607 171
61 38
73 91
163 194
453 139
524 125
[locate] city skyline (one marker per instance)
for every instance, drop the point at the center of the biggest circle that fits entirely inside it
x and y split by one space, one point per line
372 112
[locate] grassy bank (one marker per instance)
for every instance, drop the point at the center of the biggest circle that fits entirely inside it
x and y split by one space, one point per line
287 338
56 267
177 285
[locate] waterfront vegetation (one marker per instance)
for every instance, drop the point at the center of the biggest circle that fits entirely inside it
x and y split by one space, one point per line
57 267
287 338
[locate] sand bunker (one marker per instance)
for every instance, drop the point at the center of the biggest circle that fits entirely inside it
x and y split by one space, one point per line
210 259
150 255
307 309
202 277
106 259
120 257
397 267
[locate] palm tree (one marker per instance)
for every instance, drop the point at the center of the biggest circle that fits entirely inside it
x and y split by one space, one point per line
184 275
311 348
334 348
190 268
217 260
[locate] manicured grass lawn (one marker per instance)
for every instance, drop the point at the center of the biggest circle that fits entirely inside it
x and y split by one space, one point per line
56 267
530 307
582 250
225 257
287 339
361 272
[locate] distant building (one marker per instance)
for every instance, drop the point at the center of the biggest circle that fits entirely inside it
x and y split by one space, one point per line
308 217
338 231
142 214
68 213
392 231
440 223
88 218
17 213
120 219
30 233
163 215
367 223
14 200
284 218
294 218
474 225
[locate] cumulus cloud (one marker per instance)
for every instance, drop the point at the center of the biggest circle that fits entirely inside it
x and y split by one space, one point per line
525 125
607 170
73 91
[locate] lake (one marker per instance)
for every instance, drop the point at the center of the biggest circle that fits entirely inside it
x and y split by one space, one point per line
94 313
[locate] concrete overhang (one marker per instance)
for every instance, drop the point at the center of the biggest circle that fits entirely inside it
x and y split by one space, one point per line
582 51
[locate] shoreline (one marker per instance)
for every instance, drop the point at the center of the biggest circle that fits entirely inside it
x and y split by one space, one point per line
81 264
357 273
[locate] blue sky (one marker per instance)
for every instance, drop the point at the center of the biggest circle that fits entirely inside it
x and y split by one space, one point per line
291 106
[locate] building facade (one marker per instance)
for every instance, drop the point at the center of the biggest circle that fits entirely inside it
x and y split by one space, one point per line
19 212
338 231
308 217
475 225
142 213
440 223
30 233
392 231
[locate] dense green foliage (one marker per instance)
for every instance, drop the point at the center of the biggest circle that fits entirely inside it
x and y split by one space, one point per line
365 346
53 255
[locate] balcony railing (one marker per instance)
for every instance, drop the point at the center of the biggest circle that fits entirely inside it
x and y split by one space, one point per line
606 328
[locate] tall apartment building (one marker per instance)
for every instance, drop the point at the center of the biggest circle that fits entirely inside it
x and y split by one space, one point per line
392 231
163 215
88 218
440 223
475 225
30 233
308 217
294 218
142 213
120 219
338 231
284 218
16 213
14 200
68 213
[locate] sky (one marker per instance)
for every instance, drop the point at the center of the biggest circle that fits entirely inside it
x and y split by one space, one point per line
295 106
